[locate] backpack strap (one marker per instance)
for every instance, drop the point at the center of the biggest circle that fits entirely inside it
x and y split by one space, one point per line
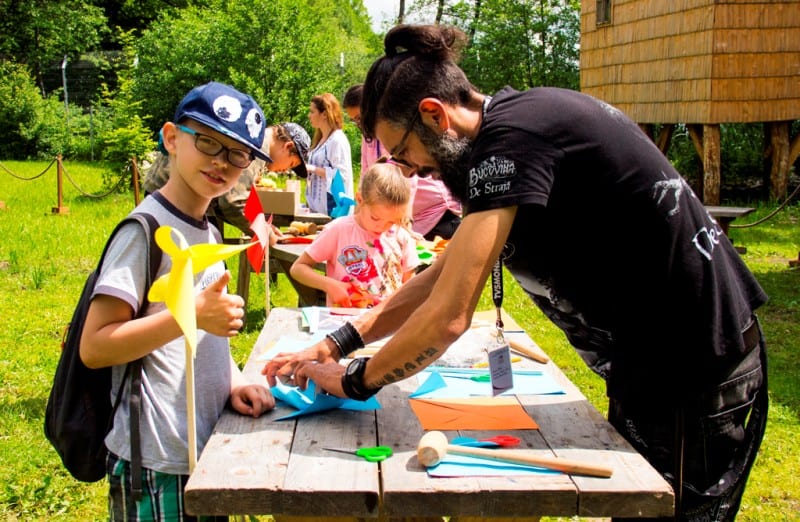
134 368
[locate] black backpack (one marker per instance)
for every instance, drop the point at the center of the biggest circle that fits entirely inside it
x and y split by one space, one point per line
79 413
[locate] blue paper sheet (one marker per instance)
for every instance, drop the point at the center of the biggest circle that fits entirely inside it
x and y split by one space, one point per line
308 401
340 197
466 466
449 383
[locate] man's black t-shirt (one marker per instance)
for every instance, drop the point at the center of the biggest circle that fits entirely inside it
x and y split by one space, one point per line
611 243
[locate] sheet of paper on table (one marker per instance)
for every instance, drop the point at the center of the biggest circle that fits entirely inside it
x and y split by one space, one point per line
448 382
314 318
478 413
308 401
467 466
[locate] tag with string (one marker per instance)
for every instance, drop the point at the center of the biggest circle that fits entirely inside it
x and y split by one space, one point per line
499 353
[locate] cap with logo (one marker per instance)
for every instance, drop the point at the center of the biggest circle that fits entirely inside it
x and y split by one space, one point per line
227 111
302 142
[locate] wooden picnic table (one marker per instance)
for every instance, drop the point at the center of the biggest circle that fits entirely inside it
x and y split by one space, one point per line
284 220
284 255
265 466
725 215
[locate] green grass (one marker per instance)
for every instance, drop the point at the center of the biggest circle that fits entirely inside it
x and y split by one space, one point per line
44 259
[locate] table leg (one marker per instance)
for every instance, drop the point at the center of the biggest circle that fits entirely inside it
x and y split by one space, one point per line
306 296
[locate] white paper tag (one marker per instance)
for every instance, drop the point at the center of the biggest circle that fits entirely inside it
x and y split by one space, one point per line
500 368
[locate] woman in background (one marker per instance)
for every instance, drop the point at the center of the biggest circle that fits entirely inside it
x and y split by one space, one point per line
330 153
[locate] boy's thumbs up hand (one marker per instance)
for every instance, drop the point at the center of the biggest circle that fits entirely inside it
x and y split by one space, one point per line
218 312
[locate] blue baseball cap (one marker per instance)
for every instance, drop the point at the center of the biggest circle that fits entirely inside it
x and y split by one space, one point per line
227 111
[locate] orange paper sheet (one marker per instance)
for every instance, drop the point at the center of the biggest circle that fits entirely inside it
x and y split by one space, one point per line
487 413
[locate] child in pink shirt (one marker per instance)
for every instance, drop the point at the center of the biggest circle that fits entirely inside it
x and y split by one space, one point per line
370 254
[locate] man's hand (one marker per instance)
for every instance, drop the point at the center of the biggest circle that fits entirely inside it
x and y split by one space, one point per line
328 377
252 399
284 366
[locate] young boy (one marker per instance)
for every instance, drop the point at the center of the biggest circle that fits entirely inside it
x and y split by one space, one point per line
287 146
215 134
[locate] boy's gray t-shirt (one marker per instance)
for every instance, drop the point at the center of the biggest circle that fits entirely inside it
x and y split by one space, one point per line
163 426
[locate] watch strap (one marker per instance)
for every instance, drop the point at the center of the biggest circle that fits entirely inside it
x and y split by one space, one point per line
353 380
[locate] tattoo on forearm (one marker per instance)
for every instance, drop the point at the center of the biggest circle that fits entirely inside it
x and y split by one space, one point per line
409 367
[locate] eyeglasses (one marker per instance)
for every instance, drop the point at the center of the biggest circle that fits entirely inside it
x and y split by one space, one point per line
400 148
211 147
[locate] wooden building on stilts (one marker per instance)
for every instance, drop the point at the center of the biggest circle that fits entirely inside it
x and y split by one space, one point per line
700 63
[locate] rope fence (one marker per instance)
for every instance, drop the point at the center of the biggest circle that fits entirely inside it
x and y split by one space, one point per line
61 173
133 167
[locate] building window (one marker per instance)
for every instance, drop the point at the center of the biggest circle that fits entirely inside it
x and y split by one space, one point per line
603 12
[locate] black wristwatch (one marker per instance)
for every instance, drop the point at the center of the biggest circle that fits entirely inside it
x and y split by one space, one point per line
353 380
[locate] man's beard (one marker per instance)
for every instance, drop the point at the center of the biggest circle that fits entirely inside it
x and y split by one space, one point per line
452 155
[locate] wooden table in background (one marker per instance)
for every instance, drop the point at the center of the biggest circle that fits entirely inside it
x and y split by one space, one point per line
284 256
264 466
725 215
281 220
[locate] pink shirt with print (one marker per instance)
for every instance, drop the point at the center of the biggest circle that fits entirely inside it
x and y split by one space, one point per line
374 263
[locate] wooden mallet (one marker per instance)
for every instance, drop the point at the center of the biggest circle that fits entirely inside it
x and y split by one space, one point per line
433 447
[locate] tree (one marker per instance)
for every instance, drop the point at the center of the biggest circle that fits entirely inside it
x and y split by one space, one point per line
133 16
40 32
282 53
524 44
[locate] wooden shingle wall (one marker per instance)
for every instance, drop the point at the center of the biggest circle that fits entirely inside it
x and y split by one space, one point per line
695 61
701 63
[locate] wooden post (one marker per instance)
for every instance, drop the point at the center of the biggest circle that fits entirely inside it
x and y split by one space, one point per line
664 138
711 164
267 274
135 181
779 159
60 209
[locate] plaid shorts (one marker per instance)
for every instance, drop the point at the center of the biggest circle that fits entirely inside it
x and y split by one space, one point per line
162 495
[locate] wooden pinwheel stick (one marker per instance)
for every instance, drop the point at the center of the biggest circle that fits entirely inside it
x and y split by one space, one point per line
433 447
191 423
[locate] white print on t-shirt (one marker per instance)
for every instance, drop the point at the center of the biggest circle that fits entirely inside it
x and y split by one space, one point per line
354 259
491 176
674 187
706 238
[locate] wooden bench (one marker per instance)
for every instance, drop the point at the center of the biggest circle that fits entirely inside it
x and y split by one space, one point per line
725 215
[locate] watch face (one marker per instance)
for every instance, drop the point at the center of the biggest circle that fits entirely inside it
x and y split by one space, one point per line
354 367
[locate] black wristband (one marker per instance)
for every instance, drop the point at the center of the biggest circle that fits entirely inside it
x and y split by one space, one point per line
353 380
347 339
336 342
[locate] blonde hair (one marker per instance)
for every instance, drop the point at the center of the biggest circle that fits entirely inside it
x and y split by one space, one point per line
384 183
327 103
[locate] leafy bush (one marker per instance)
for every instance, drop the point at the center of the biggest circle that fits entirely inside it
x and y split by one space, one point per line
21 107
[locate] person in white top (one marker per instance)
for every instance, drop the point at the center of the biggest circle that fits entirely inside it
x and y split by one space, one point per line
330 153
